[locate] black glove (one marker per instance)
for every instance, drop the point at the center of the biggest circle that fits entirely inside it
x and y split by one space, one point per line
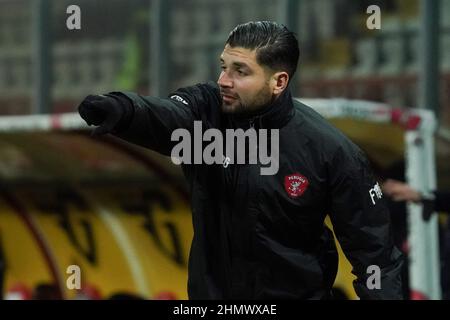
104 111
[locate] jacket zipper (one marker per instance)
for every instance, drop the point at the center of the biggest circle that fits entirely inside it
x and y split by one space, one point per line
254 120
252 126
252 123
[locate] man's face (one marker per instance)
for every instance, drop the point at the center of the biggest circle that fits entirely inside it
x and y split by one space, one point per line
245 85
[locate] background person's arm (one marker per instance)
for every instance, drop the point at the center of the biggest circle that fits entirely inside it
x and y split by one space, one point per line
400 191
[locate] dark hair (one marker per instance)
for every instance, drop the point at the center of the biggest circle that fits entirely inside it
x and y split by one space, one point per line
276 46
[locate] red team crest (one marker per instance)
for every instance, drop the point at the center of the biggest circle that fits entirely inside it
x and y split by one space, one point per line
295 184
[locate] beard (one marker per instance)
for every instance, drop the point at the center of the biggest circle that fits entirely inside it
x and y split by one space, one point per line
239 106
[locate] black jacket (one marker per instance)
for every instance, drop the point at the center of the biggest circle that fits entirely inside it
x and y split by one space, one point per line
260 236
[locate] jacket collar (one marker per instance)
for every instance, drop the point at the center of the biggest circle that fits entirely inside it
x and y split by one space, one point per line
273 116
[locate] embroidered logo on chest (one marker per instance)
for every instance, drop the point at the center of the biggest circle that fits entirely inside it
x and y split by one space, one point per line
295 185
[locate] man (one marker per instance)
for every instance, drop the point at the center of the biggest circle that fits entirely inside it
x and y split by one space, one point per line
263 236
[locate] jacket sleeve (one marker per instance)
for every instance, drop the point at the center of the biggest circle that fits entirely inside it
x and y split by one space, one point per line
362 225
150 121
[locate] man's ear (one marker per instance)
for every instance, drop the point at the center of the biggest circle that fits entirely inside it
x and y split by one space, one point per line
280 81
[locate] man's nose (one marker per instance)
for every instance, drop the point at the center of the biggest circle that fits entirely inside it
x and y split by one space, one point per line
224 80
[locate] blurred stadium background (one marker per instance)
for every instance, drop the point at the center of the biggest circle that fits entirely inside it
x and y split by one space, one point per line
122 213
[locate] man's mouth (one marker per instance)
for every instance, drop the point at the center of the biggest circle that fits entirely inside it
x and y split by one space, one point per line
228 97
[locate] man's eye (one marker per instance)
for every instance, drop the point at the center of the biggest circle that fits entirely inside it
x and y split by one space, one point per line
241 73
222 67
